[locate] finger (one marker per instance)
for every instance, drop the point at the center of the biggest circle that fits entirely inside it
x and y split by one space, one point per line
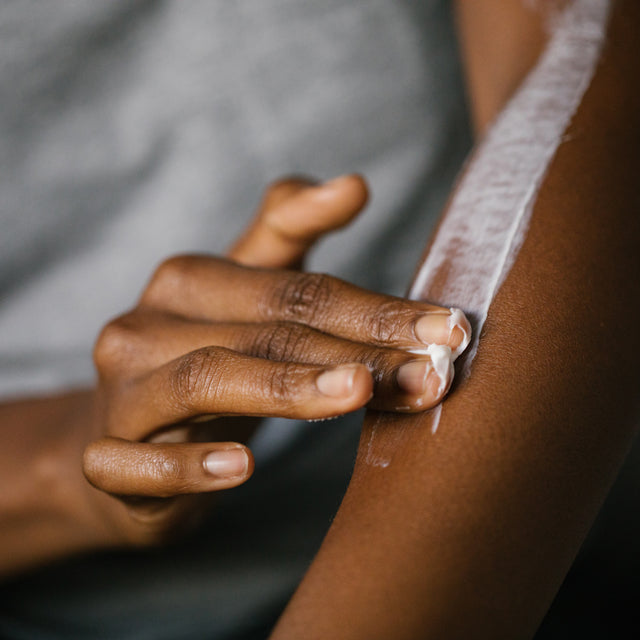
218 381
294 213
217 290
402 381
125 468
400 378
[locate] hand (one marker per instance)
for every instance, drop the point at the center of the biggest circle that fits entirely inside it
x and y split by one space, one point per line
212 338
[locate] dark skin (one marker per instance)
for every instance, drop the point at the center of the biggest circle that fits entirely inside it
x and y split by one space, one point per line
209 338
469 534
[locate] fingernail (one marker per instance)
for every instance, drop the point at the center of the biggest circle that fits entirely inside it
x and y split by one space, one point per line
441 327
336 383
412 377
459 331
433 328
228 463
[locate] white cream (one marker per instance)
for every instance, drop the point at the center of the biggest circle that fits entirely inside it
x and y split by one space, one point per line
442 359
486 223
455 319
435 417
442 363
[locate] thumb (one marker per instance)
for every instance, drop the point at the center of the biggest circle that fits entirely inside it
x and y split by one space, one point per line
293 215
161 470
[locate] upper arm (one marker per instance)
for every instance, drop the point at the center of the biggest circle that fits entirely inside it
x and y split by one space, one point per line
468 532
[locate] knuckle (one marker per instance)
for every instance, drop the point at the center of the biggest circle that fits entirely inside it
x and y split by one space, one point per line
302 297
285 187
117 342
197 376
284 386
378 361
168 470
278 341
279 188
386 324
170 275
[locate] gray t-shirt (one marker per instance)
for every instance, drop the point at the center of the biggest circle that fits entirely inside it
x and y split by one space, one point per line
131 131
136 130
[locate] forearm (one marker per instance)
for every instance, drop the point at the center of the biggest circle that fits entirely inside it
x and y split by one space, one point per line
47 509
468 532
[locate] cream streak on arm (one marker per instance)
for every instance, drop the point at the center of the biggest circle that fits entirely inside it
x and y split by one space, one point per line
486 223
470 533
487 220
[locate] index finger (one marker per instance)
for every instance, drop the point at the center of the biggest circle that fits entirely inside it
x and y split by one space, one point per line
294 214
218 290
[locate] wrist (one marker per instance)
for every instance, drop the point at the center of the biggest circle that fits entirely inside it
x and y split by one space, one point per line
48 509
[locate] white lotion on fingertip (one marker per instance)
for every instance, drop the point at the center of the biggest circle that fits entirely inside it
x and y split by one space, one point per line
455 319
486 224
442 362
458 319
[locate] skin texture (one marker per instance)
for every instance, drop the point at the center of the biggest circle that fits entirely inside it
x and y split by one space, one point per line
213 345
463 535
468 533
